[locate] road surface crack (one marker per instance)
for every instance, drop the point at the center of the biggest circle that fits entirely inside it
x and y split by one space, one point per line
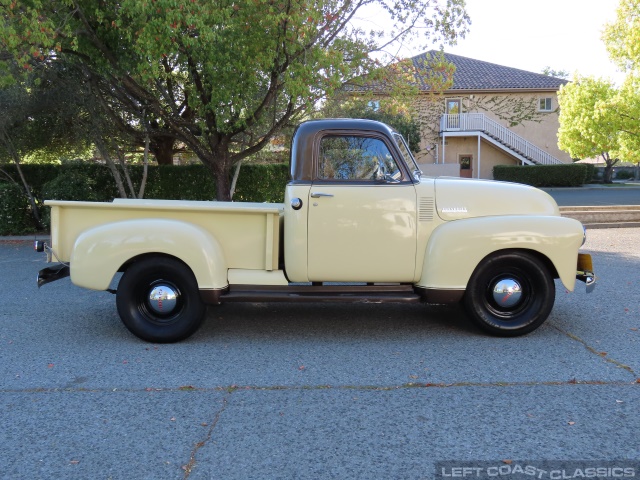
597 352
192 460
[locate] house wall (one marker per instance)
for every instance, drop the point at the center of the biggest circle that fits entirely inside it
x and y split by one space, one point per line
542 131
489 155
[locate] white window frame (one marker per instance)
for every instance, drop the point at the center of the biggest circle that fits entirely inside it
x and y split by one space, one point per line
545 104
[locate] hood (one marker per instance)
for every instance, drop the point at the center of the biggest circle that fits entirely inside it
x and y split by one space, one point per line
458 198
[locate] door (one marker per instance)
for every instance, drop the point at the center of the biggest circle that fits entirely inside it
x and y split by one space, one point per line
362 213
454 106
466 166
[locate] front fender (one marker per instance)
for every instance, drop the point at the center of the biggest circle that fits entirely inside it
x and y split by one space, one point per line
455 248
99 252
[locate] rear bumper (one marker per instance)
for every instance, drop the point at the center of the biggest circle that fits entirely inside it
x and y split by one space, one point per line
51 274
584 271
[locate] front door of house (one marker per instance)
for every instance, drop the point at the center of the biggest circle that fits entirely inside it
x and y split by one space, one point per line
466 166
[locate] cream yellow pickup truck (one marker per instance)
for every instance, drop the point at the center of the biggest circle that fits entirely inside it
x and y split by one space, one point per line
358 224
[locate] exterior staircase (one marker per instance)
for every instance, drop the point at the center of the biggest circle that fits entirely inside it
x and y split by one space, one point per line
499 135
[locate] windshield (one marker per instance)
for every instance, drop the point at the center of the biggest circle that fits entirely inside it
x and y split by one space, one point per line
408 157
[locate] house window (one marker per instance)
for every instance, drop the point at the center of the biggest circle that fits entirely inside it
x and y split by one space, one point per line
545 104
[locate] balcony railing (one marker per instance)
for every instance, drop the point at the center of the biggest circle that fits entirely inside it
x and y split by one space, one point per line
479 122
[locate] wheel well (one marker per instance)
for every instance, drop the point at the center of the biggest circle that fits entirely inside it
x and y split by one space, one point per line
539 256
145 256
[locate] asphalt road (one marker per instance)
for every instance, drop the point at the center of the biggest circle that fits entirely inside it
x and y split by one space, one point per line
587 196
285 391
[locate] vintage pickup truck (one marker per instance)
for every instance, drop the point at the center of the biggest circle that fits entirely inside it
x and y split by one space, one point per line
358 224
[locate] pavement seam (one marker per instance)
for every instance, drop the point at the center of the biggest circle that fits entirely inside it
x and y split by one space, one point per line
192 459
601 354
232 388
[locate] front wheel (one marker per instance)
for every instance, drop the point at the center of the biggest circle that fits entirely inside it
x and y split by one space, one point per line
510 294
158 300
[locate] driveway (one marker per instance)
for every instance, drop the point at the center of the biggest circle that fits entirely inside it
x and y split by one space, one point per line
287 391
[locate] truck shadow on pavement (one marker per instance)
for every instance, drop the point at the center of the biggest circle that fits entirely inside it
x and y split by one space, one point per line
335 320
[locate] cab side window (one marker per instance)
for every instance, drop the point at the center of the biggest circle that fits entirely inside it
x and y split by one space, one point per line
355 158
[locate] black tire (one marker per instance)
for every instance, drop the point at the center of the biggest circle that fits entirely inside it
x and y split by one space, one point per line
169 318
510 294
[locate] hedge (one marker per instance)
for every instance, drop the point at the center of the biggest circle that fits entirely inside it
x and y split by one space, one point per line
15 214
94 182
570 175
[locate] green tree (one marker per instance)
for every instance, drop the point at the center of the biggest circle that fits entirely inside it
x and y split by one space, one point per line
550 72
626 105
589 123
36 119
622 37
221 78
393 111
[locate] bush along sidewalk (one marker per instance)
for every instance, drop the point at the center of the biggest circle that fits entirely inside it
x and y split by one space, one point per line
571 175
93 182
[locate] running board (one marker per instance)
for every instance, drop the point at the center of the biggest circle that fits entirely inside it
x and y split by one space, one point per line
322 293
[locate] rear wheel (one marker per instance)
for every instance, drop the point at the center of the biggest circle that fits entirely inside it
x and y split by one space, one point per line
158 300
510 294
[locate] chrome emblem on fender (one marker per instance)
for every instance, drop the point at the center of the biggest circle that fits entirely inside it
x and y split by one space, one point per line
454 210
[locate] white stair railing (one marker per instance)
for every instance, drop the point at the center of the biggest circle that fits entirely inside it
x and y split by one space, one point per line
479 122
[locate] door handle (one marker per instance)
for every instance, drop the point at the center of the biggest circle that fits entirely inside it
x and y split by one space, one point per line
318 195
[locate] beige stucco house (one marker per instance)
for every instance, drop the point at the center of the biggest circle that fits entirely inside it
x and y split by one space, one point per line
491 115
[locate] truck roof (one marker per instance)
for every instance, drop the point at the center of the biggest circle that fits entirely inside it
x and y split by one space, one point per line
302 147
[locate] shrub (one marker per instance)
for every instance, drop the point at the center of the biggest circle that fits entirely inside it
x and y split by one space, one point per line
15 214
94 182
624 174
70 185
592 173
571 175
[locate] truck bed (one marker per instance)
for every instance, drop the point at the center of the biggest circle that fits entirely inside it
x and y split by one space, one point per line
249 233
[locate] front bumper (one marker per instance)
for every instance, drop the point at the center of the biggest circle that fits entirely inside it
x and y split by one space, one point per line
584 271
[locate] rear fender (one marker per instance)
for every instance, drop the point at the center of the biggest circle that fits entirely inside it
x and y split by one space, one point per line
456 248
99 252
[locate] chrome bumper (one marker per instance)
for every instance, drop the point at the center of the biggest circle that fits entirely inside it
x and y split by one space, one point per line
584 271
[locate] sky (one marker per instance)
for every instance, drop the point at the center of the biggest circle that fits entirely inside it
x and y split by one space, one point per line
533 34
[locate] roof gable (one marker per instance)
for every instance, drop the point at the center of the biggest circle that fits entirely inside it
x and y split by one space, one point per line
474 74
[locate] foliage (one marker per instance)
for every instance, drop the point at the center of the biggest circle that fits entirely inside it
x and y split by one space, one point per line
625 174
220 78
572 175
550 72
622 37
73 185
589 122
626 105
15 214
94 182
395 112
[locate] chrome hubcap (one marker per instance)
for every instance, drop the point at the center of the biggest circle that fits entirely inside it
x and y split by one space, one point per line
507 293
163 298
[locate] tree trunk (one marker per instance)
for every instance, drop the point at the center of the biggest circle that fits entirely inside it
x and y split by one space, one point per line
102 148
162 149
607 176
236 173
145 167
27 190
223 187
